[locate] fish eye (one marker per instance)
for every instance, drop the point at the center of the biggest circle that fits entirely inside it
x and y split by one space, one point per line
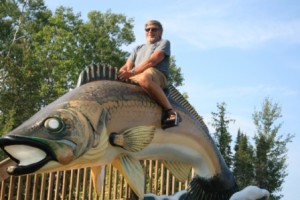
54 124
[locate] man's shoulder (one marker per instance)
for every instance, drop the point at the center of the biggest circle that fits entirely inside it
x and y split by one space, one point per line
164 41
163 44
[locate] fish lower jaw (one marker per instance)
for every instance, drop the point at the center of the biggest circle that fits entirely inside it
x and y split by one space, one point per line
26 156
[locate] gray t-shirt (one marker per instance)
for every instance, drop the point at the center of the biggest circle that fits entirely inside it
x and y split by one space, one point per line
144 51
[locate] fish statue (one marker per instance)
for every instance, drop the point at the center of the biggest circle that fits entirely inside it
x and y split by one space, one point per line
107 121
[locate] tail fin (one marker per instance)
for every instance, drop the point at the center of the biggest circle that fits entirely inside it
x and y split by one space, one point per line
210 189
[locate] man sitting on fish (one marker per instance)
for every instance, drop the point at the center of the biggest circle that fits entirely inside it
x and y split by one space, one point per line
148 65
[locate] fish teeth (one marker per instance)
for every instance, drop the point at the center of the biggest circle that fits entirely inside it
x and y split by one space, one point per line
26 154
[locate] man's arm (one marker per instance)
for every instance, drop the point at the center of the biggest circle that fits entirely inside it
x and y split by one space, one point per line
127 66
155 58
125 71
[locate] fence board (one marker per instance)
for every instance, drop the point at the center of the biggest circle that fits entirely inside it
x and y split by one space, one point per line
77 184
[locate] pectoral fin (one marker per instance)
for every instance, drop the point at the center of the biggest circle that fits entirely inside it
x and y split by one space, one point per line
180 170
133 172
98 174
133 139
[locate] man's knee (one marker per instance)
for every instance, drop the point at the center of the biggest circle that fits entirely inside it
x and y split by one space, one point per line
145 80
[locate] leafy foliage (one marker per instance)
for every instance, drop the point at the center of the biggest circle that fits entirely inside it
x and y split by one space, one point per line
176 77
42 53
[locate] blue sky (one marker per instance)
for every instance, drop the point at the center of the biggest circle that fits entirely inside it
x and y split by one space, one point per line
237 52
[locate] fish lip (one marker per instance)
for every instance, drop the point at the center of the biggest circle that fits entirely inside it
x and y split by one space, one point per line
31 168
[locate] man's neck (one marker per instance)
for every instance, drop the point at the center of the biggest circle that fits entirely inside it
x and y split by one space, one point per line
153 42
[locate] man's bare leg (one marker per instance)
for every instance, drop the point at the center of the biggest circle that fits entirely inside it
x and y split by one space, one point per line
156 92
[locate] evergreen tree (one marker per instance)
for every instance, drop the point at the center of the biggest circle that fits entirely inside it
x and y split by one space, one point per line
243 166
271 149
222 137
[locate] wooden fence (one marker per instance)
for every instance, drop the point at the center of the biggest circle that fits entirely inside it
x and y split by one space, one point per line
77 185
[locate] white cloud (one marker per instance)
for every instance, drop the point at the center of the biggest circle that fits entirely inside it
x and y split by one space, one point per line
222 26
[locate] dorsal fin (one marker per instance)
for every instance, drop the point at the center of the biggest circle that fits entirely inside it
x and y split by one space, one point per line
179 99
96 72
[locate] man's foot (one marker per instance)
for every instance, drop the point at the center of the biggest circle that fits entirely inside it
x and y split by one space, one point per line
170 119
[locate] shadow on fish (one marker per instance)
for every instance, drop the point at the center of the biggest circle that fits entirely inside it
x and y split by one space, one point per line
105 121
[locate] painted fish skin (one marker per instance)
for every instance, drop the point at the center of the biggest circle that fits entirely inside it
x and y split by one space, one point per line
91 112
72 127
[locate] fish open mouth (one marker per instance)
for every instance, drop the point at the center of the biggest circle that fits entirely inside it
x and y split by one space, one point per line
30 155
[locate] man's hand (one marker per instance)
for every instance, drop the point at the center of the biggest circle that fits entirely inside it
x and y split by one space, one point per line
125 74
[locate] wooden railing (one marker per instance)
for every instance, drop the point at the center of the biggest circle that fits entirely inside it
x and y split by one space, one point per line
77 184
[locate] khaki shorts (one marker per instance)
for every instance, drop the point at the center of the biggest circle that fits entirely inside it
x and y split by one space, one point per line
157 76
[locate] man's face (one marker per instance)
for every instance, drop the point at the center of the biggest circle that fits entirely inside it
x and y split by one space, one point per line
153 33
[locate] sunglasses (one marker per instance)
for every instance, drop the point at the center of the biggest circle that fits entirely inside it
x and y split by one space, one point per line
151 29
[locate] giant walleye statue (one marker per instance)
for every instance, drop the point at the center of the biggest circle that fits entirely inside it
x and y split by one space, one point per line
106 121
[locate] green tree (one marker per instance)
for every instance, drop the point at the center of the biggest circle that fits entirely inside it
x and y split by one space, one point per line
16 58
176 77
271 149
56 50
42 53
103 36
222 137
243 166
69 44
